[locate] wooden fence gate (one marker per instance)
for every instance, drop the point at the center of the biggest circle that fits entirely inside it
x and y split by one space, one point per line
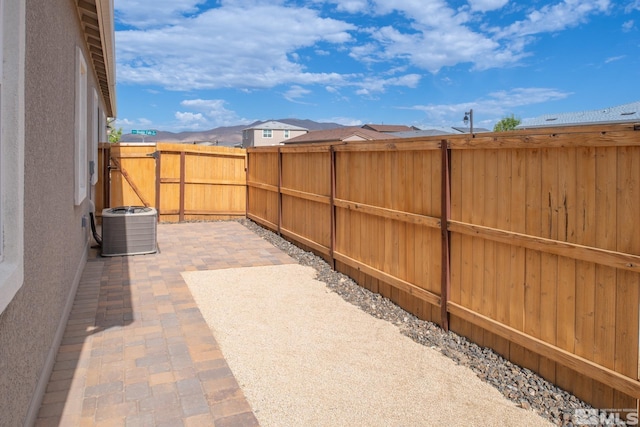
183 182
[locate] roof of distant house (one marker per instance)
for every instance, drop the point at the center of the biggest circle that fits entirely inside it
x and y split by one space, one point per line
619 114
352 133
437 131
460 129
424 132
275 125
389 128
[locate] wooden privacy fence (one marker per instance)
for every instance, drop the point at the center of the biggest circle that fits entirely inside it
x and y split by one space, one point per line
183 182
527 242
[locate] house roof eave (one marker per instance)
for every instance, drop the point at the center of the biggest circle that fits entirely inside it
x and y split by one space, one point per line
96 19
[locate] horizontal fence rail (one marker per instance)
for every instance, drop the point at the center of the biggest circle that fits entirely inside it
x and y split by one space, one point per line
526 242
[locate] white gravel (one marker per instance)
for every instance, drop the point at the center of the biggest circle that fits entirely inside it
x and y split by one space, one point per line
305 357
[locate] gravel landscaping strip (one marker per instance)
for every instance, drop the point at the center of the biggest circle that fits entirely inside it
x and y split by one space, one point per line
520 385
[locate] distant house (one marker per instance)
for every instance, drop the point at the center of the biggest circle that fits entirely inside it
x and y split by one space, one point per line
620 114
389 128
270 133
352 133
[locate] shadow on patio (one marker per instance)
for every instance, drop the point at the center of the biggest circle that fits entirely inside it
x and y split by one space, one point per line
137 351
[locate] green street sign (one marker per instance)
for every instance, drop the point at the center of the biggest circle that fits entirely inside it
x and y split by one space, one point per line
143 132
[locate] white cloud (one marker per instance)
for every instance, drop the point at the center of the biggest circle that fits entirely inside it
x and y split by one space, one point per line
210 113
228 47
353 6
563 15
486 5
495 104
349 6
440 36
139 14
371 86
254 44
628 26
128 124
295 93
633 5
614 59
344 121
189 120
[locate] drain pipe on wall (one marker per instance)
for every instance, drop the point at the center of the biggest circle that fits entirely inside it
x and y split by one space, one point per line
92 205
96 236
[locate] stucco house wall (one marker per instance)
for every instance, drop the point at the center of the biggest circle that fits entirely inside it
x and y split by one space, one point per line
277 138
280 133
56 233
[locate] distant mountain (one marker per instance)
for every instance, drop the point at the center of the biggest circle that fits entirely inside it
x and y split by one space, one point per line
226 135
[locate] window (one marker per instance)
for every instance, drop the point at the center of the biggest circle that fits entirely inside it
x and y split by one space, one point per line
95 137
266 133
286 133
12 33
81 129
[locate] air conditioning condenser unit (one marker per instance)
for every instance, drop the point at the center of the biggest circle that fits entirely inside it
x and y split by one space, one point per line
129 230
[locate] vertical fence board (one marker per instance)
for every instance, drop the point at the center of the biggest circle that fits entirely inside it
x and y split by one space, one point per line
456 241
467 279
585 271
490 219
548 262
518 254
533 223
566 308
478 252
418 252
503 252
605 292
433 207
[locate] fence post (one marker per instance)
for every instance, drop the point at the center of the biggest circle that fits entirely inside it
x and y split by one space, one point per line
158 180
246 182
279 191
182 185
332 249
106 189
445 215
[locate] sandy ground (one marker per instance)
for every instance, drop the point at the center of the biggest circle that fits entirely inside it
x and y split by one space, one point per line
305 357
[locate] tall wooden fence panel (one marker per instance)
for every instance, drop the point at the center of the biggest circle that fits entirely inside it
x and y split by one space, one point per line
526 242
305 189
132 180
263 187
387 213
200 183
183 182
545 245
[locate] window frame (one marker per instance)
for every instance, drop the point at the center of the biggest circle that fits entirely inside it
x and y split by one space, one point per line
81 161
12 146
267 133
95 138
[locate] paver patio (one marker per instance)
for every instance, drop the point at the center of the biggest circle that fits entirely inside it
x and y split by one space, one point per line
137 351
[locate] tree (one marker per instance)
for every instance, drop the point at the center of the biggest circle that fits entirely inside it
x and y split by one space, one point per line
507 124
114 135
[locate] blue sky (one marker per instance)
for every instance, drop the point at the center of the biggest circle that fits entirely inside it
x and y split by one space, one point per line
190 65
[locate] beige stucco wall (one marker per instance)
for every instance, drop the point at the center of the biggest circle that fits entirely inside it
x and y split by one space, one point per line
55 241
